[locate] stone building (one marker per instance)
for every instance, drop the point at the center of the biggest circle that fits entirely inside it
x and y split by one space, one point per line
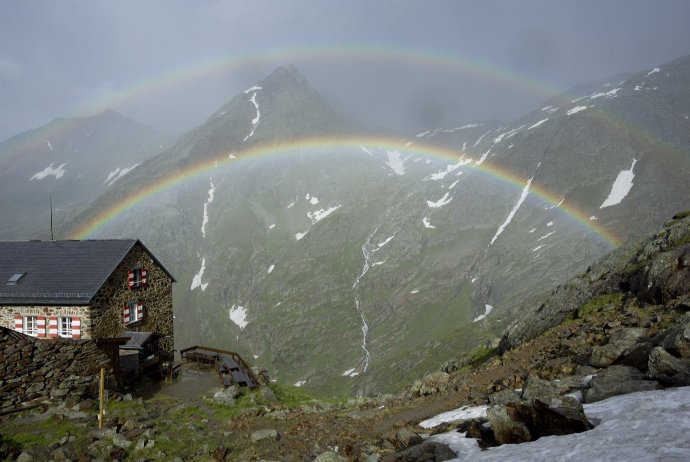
93 289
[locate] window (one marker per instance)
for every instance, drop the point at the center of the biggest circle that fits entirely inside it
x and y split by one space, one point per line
30 326
133 312
65 327
14 279
137 278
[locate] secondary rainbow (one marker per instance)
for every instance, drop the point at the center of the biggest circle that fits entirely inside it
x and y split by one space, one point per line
268 150
415 58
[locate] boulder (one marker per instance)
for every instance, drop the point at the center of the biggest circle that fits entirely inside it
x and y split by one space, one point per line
628 336
268 395
506 429
429 450
668 369
330 456
120 441
522 422
408 438
503 397
604 356
618 380
544 390
676 339
263 434
637 356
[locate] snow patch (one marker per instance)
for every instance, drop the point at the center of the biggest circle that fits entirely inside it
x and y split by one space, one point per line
349 371
653 71
396 163
533 230
231 156
644 426
593 217
50 171
481 160
272 226
523 196
196 282
487 310
463 413
453 185
427 224
367 151
49 145
549 223
621 187
576 109
208 201
538 123
119 173
299 236
440 203
238 315
254 88
289 206
300 383
537 248
271 269
313 200
255 120
381 244
420 135
480 138
321 214
546 235
415 291
441 174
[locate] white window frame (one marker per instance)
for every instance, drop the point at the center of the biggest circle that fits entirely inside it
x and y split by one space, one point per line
65 326
133 311
137 276
30 325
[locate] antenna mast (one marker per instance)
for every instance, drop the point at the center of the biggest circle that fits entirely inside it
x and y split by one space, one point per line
51 218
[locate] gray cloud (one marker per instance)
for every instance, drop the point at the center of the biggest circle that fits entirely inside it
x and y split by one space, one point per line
451 61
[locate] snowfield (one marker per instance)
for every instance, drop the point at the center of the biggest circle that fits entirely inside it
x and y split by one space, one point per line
643 427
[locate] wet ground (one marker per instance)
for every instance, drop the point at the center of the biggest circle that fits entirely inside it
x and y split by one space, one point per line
194 381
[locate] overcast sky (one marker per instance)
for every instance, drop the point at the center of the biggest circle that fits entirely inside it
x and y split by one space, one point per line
400 64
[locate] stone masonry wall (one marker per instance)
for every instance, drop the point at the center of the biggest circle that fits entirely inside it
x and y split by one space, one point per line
59 368
7 314
156 297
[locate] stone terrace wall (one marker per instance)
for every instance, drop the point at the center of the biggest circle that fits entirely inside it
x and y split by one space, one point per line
156 297
57 368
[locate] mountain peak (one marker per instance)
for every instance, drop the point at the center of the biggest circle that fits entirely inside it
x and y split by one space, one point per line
285 73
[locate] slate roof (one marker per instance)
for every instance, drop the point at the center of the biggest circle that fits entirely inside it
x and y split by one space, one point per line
138 339
60 272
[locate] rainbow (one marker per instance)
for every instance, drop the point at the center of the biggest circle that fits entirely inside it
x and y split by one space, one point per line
417 58
356 143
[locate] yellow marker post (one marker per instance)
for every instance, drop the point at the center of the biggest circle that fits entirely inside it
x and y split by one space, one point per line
100 412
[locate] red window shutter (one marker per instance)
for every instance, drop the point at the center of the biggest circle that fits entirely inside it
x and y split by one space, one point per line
125 315
130 279
53 326
140 312
76 328
41 326
18 323
143 277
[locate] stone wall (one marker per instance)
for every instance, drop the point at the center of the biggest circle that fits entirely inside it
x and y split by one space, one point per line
156 297
7 314
60 368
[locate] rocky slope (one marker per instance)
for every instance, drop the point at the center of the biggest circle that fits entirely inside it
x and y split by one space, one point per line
75 160
348 261
631 337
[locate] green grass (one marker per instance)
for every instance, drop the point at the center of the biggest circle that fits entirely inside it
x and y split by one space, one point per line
592 307
42 434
